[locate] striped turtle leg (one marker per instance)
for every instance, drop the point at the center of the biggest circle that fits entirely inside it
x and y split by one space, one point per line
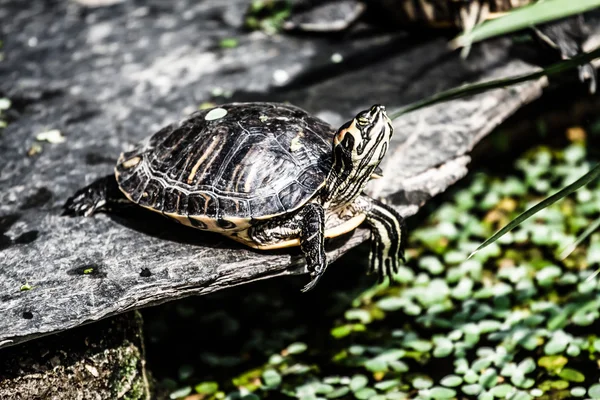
101 195
309 225
388 238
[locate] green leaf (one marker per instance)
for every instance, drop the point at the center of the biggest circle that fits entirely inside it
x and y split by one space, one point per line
358 314
472 390
584 180
594 391
443 348
578 391
296 348
501 390
339 392
552 363
572 375
365 393
471 89
358 382
442 393
451 381
179 393
271 378
524 17
422 383
391 303
206 387
228 43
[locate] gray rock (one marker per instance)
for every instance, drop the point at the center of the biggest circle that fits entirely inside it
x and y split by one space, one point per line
109 76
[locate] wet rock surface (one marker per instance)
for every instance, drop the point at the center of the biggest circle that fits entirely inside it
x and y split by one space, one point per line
106 77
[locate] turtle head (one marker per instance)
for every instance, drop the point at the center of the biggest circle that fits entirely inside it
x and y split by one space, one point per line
358 148
358 138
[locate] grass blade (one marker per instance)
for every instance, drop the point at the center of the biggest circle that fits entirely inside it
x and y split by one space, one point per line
567 190
475 88
524 17
569 249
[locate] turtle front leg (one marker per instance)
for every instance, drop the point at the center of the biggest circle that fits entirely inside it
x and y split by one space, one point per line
101 195
388 238
308 225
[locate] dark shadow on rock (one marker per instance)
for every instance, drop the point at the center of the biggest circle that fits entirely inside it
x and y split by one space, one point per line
351 62
37 199
6 221
150 223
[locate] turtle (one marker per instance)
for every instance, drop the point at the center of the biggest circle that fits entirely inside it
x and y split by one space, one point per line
563 38
268 175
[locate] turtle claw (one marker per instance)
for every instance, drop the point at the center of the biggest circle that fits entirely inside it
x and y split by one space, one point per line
313 282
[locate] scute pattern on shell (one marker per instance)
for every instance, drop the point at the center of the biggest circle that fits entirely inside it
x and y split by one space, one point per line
259 160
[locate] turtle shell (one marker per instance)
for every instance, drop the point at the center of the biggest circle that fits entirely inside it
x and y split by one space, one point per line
222 167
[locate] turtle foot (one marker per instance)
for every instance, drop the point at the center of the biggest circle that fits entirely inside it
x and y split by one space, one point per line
88 200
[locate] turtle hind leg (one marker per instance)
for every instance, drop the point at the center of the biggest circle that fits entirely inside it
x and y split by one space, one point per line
308 224
101 195
388 239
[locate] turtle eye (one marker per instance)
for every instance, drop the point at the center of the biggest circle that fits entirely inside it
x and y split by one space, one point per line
362 121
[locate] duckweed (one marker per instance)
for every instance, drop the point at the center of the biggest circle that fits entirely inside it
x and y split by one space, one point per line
514 321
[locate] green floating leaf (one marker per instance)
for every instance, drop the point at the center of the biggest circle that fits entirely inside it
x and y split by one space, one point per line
502 390
451 381
443 348
527 365
594 391
431 264
376 365
358 382
387 385
365 393
572 375
578 391
573 350
442 393
485 396
472 390
548 274
552 363
519 395
358 314
422 383
341 331
419 345
398 366
391 303
271 378
471 376
339 392
296 348
206 388
489 378
557 343
179 393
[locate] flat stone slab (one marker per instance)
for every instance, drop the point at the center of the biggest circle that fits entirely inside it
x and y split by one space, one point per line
106 77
